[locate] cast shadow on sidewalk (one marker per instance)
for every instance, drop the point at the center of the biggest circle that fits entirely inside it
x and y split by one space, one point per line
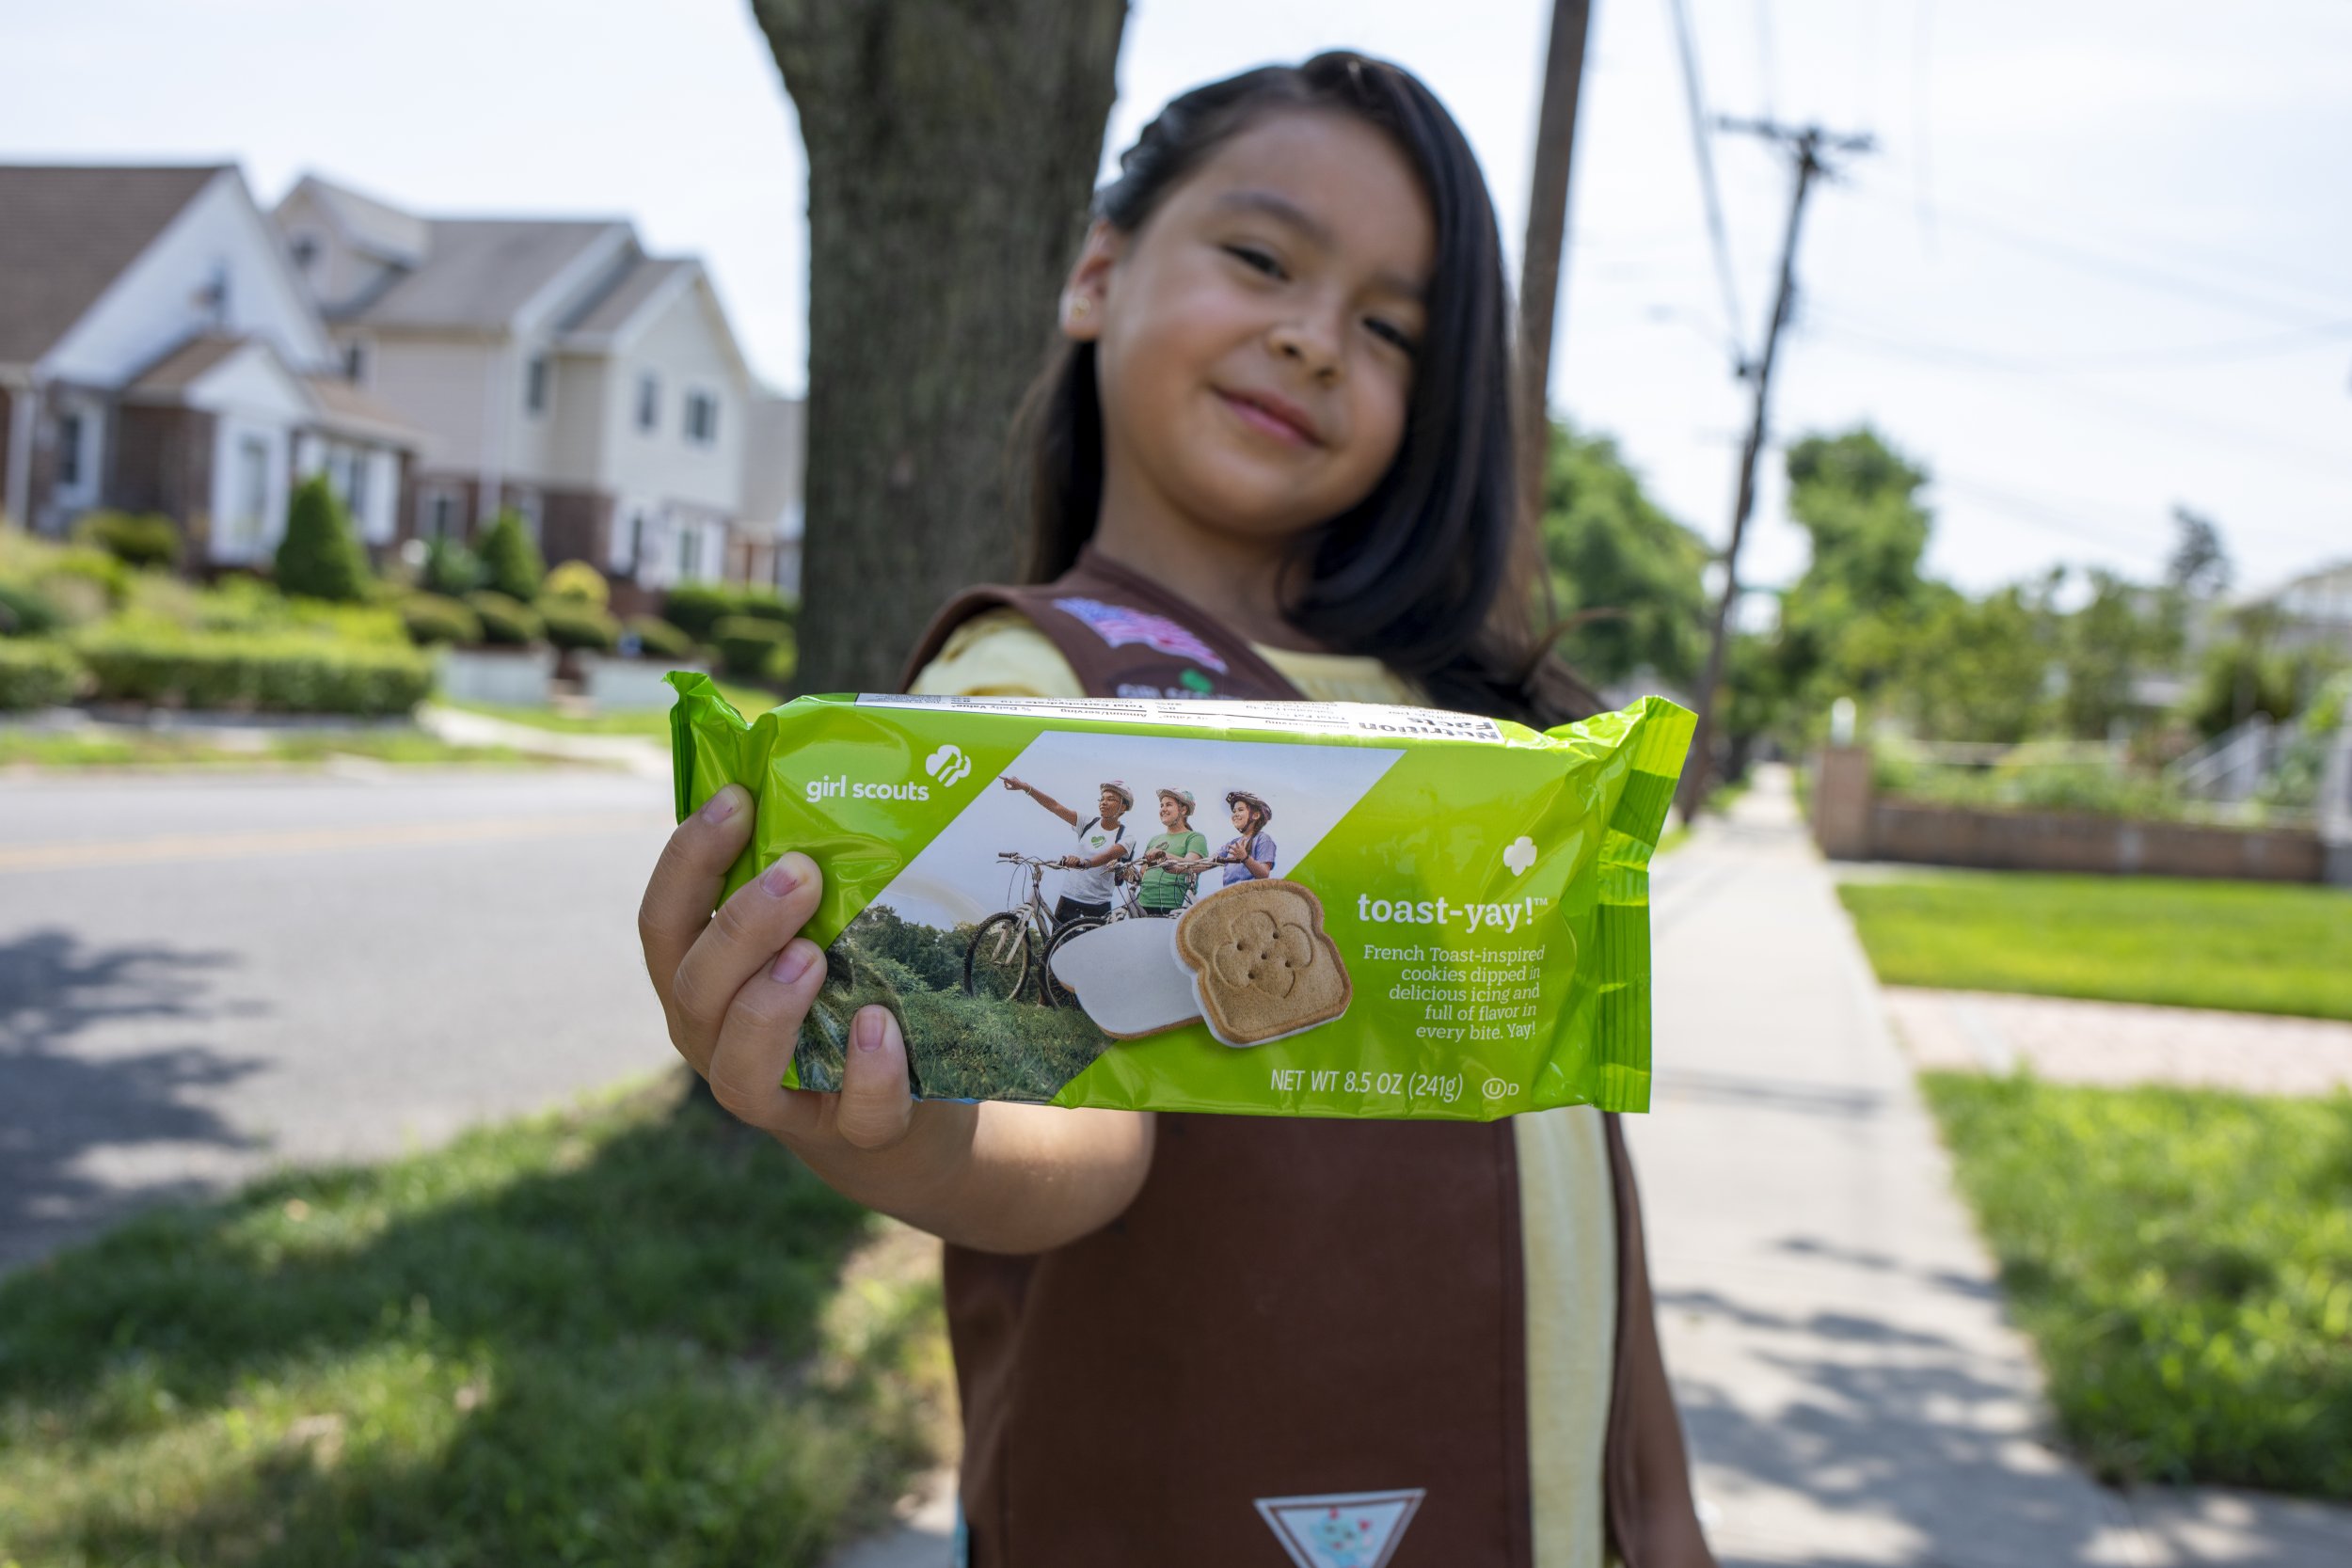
62 1099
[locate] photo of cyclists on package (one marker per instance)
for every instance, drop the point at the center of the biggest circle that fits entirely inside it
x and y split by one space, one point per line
1040 927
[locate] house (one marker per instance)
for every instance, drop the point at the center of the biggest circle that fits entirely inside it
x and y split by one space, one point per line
158 353
2312 611
774 462
565 372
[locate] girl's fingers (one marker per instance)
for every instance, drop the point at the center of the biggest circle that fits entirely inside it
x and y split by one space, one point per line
755 1044
687 879
742 939
874 1106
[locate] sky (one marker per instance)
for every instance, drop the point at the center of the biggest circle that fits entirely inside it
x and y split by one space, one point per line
2095 267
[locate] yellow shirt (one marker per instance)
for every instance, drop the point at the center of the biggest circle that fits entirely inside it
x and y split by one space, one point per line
1567 1229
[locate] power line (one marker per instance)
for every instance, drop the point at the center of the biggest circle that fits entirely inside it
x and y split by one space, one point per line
2265 346
1695 102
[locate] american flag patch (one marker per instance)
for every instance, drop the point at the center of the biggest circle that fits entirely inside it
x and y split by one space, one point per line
1118 625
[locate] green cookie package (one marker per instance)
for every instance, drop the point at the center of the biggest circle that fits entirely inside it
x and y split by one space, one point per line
1291 909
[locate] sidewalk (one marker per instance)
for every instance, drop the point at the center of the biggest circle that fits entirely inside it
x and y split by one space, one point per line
650 758
1853 1391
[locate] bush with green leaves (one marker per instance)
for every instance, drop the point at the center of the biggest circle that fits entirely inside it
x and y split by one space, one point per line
27 612
451 570
320 557
746 645
506 623
766 604
579 582
695 607
431 618
36 673
511 562
283 673
784 662
657 638
135 539
574 624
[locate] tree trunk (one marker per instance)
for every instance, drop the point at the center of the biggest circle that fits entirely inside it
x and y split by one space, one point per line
952 149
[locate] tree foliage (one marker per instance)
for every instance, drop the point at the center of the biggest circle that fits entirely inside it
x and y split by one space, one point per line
320 557
1630 572
511 561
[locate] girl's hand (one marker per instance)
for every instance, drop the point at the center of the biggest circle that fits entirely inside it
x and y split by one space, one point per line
1011 782
735 987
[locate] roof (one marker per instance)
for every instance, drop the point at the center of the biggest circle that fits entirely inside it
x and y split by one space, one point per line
477 273
181 369
609 312
378 228
67 232
350 411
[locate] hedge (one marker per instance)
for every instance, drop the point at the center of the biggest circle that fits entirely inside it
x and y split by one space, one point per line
135 539
431 618
747 644
574 624
27 612
506 623
35 673
279 673
657 638
697 607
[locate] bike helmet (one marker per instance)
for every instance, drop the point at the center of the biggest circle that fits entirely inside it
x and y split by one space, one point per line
1181 796
1120 789
1243 796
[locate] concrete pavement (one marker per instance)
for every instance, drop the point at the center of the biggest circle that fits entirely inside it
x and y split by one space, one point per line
203 976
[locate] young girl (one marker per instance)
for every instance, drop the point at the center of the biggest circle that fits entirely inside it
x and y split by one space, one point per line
1251 852
1166 890
1270 458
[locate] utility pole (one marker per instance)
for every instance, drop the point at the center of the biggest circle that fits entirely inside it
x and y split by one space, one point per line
1808 146
1539 257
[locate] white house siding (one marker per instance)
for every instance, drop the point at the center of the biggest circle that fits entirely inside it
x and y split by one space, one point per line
338 272
684 347
575 454
253 403
157 302
440 385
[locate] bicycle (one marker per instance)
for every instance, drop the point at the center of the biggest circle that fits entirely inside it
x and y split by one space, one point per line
1125 907
1010 943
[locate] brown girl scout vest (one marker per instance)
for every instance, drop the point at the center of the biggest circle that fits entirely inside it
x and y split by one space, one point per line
1294 1314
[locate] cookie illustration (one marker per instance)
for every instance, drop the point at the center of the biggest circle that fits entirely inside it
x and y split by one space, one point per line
1261 963
1127 978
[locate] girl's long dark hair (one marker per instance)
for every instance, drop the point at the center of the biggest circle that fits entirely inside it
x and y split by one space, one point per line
1430 572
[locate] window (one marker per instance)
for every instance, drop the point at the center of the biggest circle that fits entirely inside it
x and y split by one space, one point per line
530 507
635 539
354 362
355 485
689 548
648 402
702 417
535 385
440 514
250 498
306 250
70 428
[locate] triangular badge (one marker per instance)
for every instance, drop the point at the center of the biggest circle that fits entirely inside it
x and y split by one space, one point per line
1340 1529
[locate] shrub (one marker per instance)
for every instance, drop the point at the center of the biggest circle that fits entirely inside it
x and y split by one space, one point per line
695 607
320 557
144 539
27 612
578 582
657 638
766 604
571 624
504 622
35 673
430 618
84 583
784 662
746 645
284 671
451 570
511 564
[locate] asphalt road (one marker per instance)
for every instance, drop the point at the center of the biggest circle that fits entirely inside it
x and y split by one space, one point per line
202 977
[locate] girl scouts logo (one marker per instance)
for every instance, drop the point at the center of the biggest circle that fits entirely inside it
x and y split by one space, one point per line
1340 1529
1121 627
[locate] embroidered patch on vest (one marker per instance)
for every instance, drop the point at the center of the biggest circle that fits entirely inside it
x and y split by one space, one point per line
1342 1529
1119 626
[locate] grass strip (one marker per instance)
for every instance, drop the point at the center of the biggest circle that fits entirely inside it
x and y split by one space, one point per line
193 749
2183 1259
635 1332
647 723
2257 947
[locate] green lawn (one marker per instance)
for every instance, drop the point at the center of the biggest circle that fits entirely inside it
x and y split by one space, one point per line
2247 946
651 723
121 748
617 1335
2183 1259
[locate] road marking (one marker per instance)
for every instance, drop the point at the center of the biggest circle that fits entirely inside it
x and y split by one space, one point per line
307 841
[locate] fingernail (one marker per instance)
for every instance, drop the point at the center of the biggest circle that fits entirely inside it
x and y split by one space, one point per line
779 879
793 962
723 805
866 1034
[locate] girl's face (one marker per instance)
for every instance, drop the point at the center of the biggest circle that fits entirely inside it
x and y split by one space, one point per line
1287 270
1171 813
1241 817
1109 807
